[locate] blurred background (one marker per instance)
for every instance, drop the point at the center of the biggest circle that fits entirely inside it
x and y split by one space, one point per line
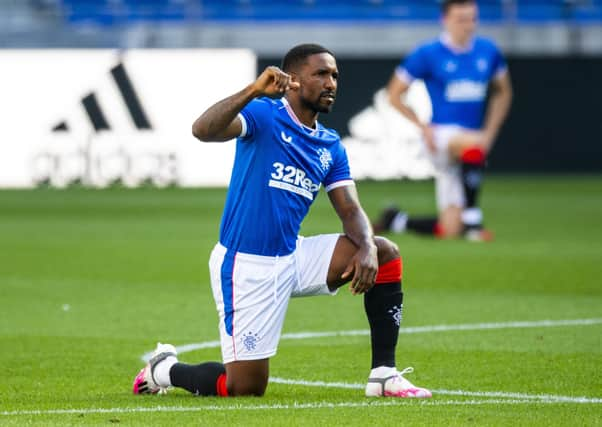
104 91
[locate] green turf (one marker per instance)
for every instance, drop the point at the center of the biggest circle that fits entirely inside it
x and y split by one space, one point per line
91 279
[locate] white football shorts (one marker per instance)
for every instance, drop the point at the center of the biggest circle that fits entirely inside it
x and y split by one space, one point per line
448 180
252 293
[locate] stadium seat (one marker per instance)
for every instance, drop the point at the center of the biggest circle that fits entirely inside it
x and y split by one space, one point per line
112 12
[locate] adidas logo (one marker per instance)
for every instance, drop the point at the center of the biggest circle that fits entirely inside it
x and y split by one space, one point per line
95 112
114 112
104 116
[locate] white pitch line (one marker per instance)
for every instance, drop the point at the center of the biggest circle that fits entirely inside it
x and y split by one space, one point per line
407 330
507 398
238 407
541 398
535 398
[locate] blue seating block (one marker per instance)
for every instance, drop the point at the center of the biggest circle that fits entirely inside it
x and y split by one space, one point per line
112 12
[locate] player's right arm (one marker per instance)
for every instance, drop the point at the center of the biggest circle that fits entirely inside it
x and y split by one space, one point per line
220 122
396 90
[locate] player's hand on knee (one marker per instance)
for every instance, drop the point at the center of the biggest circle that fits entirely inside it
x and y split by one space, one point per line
274 82
363 266
469 139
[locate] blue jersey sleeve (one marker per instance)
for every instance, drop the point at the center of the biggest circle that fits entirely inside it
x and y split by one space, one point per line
256 115
339 173
416 64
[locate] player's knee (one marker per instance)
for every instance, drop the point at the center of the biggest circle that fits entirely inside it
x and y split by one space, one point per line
452 230
474 155
247 389
387 250
247 378
450 222
390 267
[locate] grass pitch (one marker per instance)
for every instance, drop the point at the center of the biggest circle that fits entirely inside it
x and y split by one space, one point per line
90 280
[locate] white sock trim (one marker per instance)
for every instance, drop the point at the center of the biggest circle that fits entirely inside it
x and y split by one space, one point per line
399 222
161 372
472 216
383 372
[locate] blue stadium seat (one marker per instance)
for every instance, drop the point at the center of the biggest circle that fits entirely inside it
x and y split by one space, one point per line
111 12
589 13
541 11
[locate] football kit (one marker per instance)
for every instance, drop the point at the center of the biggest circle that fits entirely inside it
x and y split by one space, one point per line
456 81
260 261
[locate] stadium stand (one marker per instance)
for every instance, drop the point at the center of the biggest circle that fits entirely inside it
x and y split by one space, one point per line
111 12
351 27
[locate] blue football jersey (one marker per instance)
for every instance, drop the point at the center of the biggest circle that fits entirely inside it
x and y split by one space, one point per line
456 80
279 167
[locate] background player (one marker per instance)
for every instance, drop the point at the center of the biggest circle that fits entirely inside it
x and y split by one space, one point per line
283 156
457 69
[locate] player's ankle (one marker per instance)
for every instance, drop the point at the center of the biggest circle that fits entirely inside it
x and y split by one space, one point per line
161 371
382 371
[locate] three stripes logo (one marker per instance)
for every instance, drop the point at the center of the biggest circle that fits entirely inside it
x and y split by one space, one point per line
120 146
130 98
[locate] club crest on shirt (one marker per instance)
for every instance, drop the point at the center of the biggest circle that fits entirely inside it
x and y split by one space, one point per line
482 65
325 158
451 66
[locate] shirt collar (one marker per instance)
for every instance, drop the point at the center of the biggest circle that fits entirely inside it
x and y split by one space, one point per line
294 117
447 41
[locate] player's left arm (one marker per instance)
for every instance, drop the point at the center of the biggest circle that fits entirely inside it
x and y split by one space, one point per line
356 225
497 108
